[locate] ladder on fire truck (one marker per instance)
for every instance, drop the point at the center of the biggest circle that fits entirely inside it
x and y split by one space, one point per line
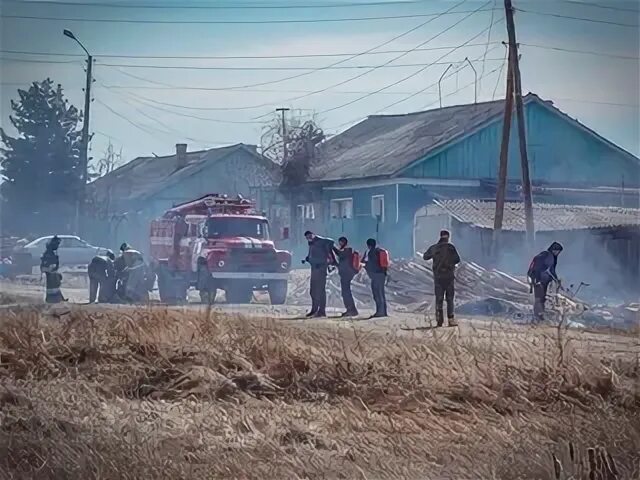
213 203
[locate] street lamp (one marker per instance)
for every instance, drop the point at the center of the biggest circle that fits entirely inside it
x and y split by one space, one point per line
85 126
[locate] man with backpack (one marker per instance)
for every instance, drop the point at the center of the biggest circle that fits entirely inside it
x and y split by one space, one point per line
376 263
542 271
445 258
348 267
320 256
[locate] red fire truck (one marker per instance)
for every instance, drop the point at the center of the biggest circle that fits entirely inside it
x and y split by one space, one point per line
216 242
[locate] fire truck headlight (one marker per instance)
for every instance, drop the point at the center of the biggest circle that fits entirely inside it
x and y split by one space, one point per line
284 265
221 263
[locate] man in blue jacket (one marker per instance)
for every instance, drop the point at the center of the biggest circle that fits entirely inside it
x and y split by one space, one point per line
542 272
320 256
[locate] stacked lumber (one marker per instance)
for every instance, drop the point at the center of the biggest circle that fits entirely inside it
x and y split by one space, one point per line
411 285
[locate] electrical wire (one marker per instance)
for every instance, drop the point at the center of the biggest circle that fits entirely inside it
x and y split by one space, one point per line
569 17
599 5
232 57
408 76
223 22
584 52
219 7
486 48
506 59
193 67
272 82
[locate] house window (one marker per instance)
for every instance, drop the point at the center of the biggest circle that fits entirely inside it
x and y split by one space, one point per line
306 212
377 207
342 208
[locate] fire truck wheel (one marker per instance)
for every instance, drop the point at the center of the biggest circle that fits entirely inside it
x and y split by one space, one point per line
278 292
239 294
207 297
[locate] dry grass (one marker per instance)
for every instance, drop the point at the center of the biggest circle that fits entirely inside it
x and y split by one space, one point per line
151 393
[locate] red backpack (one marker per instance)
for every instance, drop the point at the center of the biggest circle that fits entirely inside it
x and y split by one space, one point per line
384 258
355 261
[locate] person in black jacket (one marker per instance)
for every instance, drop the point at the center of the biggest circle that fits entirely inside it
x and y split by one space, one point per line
542 272
346 271
102 278
445 258
378 275
49 265
320 256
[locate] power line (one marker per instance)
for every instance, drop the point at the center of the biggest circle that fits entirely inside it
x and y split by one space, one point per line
257 90
226 22
31 60
397 58
220 7
584 52
194 67
150 104
235 57
569 17
486 48
599 5
408 76
272 82
506 56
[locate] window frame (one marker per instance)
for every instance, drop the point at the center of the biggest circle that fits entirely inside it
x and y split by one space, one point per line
373 200
339 202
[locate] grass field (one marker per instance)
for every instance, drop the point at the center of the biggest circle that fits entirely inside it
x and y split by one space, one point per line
163 394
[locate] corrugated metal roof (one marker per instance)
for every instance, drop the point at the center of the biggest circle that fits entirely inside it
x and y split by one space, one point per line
546 216
144 176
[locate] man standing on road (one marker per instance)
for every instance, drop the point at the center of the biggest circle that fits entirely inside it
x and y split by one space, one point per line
445 258
320 257
542 272
49 265
376 264
347 271
134 275
102 278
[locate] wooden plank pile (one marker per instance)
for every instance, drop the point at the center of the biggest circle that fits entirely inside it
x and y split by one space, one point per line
410 286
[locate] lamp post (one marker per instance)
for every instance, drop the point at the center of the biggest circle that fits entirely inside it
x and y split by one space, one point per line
85 128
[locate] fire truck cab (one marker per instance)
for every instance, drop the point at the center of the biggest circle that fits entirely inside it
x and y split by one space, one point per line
216 242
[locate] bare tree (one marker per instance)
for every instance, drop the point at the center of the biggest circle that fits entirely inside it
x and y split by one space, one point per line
109 161
302 137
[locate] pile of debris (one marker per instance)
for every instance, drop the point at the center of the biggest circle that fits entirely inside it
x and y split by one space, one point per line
410 289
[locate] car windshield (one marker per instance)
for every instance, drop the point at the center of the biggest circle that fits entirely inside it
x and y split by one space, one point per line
236 227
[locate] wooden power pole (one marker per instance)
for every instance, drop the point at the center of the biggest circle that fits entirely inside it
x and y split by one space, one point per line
524 160
284 134
504 160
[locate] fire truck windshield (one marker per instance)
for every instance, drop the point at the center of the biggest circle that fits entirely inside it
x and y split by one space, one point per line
225 227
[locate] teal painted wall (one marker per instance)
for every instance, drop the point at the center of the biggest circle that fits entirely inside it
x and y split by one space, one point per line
559 152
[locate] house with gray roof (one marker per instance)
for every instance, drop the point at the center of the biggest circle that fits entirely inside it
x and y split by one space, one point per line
128 198
374 178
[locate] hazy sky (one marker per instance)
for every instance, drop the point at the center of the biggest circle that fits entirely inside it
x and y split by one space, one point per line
146 109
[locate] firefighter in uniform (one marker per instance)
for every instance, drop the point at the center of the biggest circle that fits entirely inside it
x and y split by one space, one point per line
102 278
347 271
445 258
320 256
49 265
134 279
376 266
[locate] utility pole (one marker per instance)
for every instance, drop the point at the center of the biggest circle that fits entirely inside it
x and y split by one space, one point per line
284 133
504 161
524 160
84 154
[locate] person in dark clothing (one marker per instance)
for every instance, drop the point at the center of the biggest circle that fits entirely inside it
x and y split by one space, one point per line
542 272
49 265
445 258
346 271
320 256
378 275
102 278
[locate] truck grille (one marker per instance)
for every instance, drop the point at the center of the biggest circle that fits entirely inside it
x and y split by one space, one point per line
253 260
